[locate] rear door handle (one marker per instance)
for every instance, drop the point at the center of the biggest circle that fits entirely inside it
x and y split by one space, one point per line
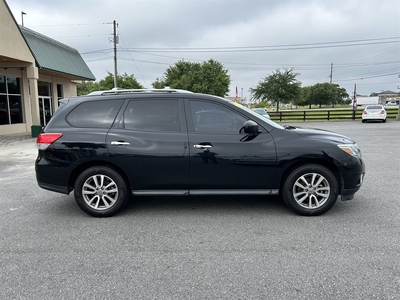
119 143
202 146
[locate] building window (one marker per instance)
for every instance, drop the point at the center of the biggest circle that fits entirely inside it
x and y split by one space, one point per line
59 92
10 100
44 88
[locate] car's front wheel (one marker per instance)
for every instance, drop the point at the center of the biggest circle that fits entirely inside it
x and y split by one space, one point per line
310 190
100 191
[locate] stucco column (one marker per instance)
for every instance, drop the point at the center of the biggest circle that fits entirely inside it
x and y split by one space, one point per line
54 96
33 76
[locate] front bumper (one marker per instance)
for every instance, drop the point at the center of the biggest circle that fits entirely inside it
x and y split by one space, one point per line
348 194
353 177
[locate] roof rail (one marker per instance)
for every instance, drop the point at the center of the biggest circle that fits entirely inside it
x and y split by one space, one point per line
123 91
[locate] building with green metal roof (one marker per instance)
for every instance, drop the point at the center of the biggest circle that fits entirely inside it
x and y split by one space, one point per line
35 72
53 56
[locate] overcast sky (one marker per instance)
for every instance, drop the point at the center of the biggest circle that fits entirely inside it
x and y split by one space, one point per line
251 38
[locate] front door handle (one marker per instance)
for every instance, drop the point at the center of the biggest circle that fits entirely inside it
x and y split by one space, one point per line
203 147
119 143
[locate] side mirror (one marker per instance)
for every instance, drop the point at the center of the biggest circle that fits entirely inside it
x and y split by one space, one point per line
250 127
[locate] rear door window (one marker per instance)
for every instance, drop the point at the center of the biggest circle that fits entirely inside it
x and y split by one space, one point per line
94 114
153 115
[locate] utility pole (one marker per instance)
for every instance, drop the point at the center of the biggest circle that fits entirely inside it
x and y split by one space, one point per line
115 53
355 97
331 73
22 17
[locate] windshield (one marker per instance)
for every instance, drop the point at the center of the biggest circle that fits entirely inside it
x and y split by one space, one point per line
258 116
374 107
260 111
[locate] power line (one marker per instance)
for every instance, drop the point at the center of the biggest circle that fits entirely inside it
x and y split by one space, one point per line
375 83
68 25
273 47
76 36
303 66
368 60
367 77
145 84
266 48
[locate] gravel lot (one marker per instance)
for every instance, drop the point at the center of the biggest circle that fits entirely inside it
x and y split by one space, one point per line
203 247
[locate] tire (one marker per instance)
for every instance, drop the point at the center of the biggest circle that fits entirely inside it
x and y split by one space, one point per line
100 191
363 121
384 121
310 190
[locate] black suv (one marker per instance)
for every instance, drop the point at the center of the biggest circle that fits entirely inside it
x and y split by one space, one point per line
115 144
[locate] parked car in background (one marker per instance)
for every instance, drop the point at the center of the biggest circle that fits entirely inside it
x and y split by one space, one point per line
392 103
261 111
111 146
374 113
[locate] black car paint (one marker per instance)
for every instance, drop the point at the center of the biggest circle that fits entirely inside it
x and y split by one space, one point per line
300 146
169 163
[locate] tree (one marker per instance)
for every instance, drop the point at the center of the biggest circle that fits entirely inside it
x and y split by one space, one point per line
208 77
86 87
327 94
124 81
321 94
179 76
107 83
342 96
279 87
304 98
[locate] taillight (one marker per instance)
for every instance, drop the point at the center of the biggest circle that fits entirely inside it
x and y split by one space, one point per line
44 140
382 112
365 112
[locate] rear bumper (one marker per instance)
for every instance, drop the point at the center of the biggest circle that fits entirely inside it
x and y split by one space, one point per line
373 117
52 176
54 188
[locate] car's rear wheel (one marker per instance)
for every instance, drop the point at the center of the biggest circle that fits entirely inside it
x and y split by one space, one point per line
310 190
100 191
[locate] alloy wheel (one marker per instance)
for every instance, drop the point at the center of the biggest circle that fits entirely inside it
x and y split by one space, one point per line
100 192
311 190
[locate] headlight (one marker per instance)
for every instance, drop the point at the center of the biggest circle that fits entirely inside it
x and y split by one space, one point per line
351 149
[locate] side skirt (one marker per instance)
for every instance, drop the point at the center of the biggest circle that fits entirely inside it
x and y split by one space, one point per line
203 192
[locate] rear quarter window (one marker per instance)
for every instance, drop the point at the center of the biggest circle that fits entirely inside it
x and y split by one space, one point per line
94 114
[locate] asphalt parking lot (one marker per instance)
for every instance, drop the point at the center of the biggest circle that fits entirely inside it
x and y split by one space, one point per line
203 247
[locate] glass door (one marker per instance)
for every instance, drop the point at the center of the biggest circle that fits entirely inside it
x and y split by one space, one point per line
46 110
